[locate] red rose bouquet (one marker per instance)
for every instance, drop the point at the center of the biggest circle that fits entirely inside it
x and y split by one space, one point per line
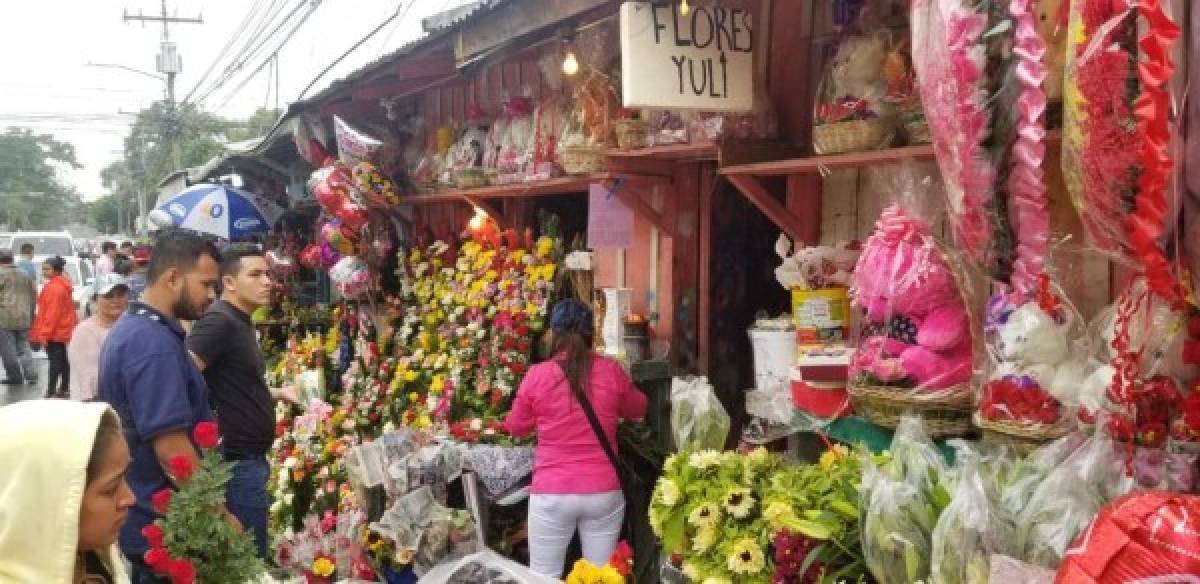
194 542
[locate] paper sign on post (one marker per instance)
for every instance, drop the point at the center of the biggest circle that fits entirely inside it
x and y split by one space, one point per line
610 221
704 60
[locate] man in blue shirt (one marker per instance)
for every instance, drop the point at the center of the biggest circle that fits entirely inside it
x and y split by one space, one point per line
148 377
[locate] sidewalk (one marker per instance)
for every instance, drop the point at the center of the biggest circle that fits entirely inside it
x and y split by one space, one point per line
15 393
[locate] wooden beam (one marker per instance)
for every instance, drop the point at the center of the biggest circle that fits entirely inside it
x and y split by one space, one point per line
804 201
389 89
514 20
769 205
703 311
639 205
347 106
418 67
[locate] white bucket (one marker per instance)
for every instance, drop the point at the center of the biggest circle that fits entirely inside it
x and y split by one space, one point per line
774 355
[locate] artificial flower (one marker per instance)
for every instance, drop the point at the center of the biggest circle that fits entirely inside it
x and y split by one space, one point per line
153 534
705 459
832 456
739 502
716 580
746 558
705 539
778 514
181 467
690 571
206 435
181 571
667 492
161 500
705 515
323 567
157 559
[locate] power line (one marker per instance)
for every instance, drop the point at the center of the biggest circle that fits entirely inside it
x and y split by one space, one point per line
224 50
351 50
248 52
278 47
268 15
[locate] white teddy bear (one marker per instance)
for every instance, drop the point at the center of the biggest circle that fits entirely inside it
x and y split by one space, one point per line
1032 343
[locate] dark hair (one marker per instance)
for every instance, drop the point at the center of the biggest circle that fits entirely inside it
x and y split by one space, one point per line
126 244
123 266
108 431
26 248
571 321
232 264
56 263
6 256
180 250
107 247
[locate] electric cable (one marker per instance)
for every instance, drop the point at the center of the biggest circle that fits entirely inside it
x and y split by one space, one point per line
225 49
350 50
253 52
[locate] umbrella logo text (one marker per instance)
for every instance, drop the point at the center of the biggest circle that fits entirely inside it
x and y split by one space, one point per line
246 223
177 209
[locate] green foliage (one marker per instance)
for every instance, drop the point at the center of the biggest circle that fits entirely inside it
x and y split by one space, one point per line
32 196
194 529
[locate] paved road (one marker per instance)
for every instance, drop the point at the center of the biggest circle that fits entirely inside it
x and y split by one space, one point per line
16 393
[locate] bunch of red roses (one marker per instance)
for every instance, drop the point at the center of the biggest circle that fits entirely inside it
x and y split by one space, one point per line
223 555
1018 399
791 553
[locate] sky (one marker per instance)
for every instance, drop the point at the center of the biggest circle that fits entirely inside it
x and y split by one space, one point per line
49 87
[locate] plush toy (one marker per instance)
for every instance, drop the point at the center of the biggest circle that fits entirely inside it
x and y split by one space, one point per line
1156 329
915 330
1036 370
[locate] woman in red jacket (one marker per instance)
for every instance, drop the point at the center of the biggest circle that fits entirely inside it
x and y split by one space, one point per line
53 324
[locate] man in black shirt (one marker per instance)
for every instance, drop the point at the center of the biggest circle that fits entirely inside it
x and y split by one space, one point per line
225 347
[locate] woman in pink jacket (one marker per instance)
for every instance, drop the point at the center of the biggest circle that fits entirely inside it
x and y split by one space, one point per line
575 486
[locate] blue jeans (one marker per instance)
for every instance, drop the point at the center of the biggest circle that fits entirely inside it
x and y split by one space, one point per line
246 498
16 355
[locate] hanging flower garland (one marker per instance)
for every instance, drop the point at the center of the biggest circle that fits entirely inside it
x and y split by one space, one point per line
950 58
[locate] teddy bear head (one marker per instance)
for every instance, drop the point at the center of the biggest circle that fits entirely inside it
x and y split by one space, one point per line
1157 329
901 271
1031 336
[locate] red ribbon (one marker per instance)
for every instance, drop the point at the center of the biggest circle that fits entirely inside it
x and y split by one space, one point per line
1152 110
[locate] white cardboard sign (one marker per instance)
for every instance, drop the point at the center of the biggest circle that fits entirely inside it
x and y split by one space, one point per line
703 61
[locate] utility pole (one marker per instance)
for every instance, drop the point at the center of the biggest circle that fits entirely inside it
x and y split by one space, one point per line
170 64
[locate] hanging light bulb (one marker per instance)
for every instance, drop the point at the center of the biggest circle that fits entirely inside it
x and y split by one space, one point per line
570 64
684 9
478 220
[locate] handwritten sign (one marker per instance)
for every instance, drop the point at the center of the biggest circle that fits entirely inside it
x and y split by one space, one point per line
704 60
610 222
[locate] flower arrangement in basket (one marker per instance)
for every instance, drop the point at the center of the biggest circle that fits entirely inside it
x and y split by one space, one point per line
719 513
851 113
193 542
915 340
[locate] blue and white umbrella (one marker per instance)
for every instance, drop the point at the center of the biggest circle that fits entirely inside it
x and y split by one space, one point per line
222 211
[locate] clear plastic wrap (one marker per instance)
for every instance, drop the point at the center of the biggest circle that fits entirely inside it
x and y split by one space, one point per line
950 56
510 140
914 333
666 128
901 502
1069 497
698 420
966 534
500 468
851 113
1038 350
484 567
550 121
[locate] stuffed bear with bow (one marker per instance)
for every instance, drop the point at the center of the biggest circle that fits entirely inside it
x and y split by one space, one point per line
915 330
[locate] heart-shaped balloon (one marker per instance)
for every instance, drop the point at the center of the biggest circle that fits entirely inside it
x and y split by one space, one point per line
352 216
310 256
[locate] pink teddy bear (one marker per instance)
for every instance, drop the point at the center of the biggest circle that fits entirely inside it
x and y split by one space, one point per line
915 330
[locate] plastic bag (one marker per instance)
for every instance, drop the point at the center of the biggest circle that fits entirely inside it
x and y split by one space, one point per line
950 57
1038 355
913 330
1069 497
698 420
965 536
354 146
484 567
901 501
509 142
665 128
851 114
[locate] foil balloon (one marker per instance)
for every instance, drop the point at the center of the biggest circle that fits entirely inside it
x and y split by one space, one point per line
352 216
282 264
371 187
338 237
329 256
310 256
350 276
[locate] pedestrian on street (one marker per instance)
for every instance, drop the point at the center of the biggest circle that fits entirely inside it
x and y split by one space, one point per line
108 258
26 262
225 347
53 324
17 296
148 377
137 279
126 250
83 352
63 494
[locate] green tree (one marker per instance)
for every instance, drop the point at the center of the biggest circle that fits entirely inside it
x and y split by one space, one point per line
32 194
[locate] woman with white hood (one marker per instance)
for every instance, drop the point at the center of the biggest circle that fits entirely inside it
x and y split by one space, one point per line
63 495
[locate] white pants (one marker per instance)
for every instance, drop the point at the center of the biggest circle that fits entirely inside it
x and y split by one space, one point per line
553 519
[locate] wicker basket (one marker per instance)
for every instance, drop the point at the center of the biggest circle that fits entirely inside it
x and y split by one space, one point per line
916 131
852 136
1023 438
945 413
631 134
583 159
470 178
